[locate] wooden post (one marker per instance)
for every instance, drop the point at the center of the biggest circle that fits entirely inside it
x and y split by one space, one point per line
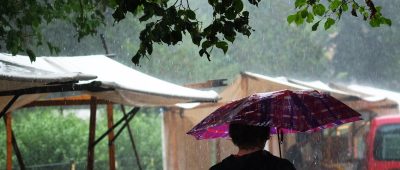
73 165
111 147
92 133
15 146
218 150
9 141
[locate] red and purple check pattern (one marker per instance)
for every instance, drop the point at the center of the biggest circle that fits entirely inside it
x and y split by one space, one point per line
288 111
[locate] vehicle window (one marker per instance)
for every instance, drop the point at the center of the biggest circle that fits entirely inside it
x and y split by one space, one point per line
386 144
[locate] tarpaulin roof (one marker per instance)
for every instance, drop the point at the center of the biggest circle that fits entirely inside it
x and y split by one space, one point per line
128 85
177 123
18 75
369 91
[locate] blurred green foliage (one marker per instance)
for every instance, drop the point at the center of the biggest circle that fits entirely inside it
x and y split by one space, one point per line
46 137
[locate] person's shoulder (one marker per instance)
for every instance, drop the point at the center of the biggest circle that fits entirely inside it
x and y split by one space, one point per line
286 165
222 165
283 164
217 166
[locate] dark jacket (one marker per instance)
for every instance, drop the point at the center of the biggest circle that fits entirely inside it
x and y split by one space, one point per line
259 160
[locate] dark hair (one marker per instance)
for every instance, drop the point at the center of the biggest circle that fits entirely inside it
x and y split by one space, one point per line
247 136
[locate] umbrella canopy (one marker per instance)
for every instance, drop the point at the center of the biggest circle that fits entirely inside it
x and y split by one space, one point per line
284 111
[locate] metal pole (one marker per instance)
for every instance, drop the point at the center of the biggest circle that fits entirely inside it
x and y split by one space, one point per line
92 133
132 140
133 111
17 152
122 128
103 40
280 141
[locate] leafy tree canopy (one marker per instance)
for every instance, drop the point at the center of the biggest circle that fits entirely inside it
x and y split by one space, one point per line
166 22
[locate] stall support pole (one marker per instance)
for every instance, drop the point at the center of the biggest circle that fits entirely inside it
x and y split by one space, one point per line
8 106
92 128
132 139
9 140
15 145
218 150
111 146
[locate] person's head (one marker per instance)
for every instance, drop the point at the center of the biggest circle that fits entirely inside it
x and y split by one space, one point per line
248 137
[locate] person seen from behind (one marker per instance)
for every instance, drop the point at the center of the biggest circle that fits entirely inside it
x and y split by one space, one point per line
251 155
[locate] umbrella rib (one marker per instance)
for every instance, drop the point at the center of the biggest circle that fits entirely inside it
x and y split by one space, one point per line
328 108
266 110
291 115
306 111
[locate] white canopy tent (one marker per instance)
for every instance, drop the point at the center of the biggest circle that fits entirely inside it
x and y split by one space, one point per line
392 96
98 77
359 98
126 85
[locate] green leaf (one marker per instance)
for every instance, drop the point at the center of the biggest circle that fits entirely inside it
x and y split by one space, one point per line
254 2
230 14
300 3
31 55
212 2
365 15
310 18
222 45
113 3
118 14
148 13
329 22
150 49
291 18
245 14
361 9
345 7
227 3
319 9
335 4
201 52
374 22
206 44
388 21
196 38
176 36
354 6
145 17
378 9
299 20
315 26
230 38
190 14
204 51
136 58
181 12
238 5
304 13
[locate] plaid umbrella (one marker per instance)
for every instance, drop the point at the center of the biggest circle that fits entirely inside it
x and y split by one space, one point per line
284 111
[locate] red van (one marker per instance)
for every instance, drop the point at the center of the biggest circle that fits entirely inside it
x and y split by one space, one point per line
383 141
